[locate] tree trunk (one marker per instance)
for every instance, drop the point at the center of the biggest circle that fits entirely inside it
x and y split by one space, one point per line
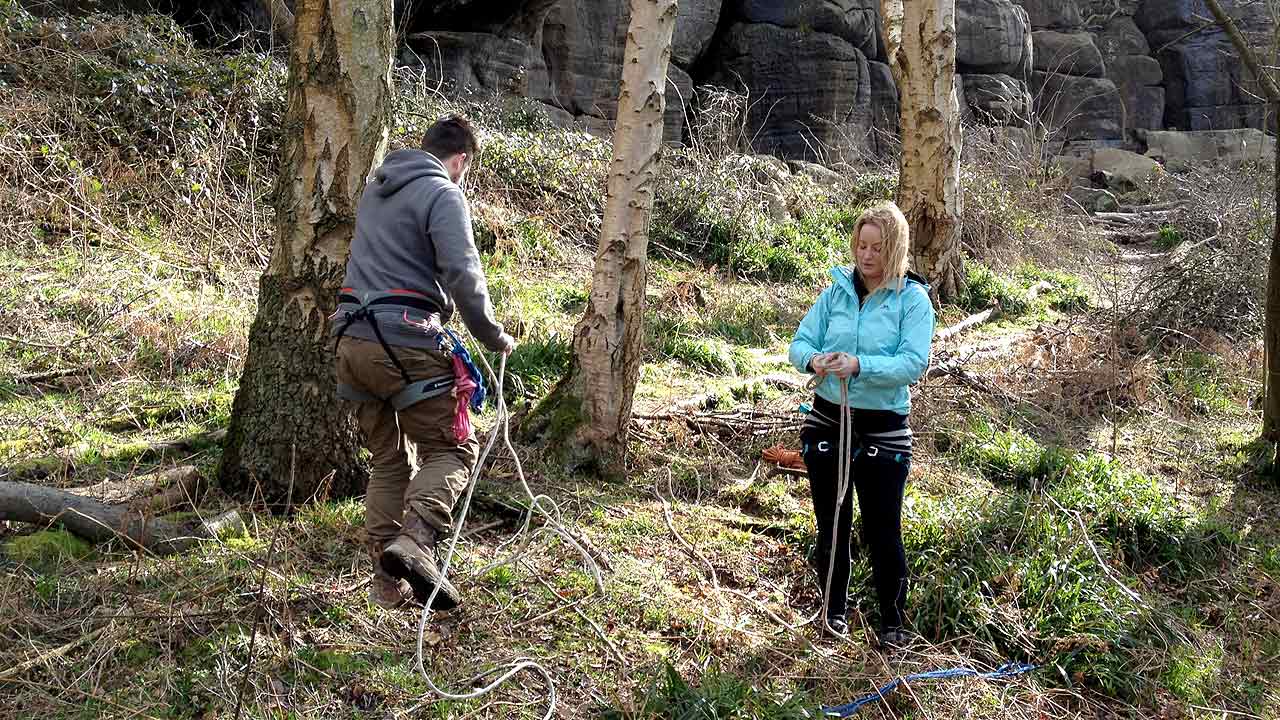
1271 343
1271 335
920 36
589 411
336 130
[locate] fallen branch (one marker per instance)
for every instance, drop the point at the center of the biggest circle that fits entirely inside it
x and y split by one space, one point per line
161 489
972 381
1156 207
99 522
57 652
972 321
47 375
1132 217
1084 533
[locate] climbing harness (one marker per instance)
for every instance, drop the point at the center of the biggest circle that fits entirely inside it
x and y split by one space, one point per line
1004 671
367 309
539 503
465 382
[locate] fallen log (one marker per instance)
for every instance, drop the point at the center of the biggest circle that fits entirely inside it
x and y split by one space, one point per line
1156 207
154 491
972 321
99 522
1133 217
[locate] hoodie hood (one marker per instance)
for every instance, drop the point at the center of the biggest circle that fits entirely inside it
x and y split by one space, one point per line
403 167
843 276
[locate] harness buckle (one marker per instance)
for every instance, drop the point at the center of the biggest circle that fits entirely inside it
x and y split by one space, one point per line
872 450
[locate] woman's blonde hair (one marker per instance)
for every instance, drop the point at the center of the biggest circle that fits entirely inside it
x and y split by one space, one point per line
896 250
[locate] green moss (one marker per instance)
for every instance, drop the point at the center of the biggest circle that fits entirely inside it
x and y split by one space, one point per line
566 416
48 549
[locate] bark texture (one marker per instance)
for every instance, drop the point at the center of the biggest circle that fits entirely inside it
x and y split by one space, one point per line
593 404
337 129
920 37
1271 335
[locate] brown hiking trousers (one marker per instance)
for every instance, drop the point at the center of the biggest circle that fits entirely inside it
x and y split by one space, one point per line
417 463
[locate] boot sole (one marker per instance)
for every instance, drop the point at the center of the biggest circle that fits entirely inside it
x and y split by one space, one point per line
422 584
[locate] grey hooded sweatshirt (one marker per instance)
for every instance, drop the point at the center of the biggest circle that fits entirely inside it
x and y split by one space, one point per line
413 232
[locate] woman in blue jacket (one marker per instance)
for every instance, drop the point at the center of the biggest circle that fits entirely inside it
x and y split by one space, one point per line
866 339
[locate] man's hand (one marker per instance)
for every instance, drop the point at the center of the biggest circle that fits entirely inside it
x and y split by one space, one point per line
508 344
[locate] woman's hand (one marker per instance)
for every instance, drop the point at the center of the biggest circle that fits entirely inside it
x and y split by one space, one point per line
842 365
820 364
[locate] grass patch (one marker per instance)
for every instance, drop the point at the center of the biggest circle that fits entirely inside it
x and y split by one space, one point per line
716 695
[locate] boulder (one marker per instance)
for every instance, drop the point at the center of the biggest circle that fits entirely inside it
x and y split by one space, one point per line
1206 88
1073 167
1135 70
1121 36
1181 151
819 174
1054 14
1067 53
855 21
810 91
1129 168
991 37
1138 78
1143 107
998 99
695 26
1167 19
1092 200
1077 108
582 46
884 103
479 61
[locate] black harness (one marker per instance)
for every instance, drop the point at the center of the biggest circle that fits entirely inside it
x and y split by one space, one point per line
367 309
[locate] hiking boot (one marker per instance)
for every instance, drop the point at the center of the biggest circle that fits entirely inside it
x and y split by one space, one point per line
385 591
837 625
411 556
894 639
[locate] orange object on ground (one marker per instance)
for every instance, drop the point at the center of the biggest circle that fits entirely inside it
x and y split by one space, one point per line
781 456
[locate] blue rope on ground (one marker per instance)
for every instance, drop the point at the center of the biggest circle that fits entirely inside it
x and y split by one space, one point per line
1004 671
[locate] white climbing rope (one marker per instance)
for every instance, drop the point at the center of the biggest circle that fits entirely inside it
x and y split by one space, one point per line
844 469
539 503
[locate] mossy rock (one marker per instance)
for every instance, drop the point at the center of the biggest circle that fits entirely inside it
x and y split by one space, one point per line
48 549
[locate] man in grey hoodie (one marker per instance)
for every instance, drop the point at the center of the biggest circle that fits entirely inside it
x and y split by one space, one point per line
413 263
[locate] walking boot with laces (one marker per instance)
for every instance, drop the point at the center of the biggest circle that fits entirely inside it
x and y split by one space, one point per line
411 556
385 591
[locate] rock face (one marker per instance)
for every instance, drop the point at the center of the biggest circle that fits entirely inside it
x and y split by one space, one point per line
809 89
1206 87
816 75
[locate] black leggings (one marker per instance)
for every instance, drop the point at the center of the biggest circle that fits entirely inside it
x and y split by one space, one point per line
880 481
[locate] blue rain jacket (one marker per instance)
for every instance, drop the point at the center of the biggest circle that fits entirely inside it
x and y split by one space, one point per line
890 334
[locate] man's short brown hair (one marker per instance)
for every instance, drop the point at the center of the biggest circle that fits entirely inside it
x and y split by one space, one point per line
451 136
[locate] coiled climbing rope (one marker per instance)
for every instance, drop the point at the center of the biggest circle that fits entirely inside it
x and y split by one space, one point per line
538 503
